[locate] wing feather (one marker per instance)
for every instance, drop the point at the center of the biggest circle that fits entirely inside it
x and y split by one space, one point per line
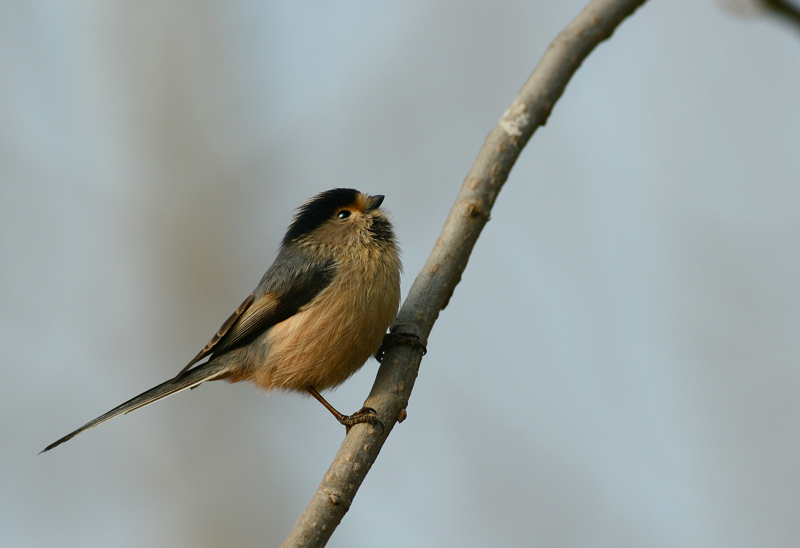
289 284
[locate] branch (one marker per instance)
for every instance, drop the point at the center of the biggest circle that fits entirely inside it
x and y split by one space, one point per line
436 282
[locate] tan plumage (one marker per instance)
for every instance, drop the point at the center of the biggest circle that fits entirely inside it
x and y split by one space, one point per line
350 319
317 315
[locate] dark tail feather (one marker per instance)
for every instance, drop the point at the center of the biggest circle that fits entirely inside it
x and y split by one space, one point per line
190 379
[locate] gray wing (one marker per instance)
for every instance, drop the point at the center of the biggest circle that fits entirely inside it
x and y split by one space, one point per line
290 283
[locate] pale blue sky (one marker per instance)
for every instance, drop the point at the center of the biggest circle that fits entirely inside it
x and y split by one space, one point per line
618 367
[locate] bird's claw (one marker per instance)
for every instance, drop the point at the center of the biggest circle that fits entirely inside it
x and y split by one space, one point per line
392 339
364 415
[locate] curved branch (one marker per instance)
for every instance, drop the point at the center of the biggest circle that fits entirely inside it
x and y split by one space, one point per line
436 282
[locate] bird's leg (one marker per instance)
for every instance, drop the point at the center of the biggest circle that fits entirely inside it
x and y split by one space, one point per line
366 414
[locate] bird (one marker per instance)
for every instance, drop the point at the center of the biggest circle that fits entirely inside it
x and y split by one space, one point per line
317 315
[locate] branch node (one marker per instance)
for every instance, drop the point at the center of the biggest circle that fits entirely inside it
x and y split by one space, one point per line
474 209
515 119
335 498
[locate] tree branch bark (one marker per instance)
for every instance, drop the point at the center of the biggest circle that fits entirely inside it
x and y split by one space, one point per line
436 282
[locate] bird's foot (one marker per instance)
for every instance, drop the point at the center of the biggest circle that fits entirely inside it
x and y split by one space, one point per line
364 415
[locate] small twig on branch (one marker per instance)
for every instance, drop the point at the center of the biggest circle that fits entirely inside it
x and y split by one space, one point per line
434 285
783 9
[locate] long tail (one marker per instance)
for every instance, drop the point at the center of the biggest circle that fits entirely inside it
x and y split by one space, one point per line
205 372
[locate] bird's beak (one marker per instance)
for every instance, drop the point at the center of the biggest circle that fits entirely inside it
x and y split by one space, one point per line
375 202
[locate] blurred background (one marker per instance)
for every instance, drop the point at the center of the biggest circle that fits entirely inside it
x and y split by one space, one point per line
618 367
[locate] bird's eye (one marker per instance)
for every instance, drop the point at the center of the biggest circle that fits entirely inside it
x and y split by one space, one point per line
343 214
